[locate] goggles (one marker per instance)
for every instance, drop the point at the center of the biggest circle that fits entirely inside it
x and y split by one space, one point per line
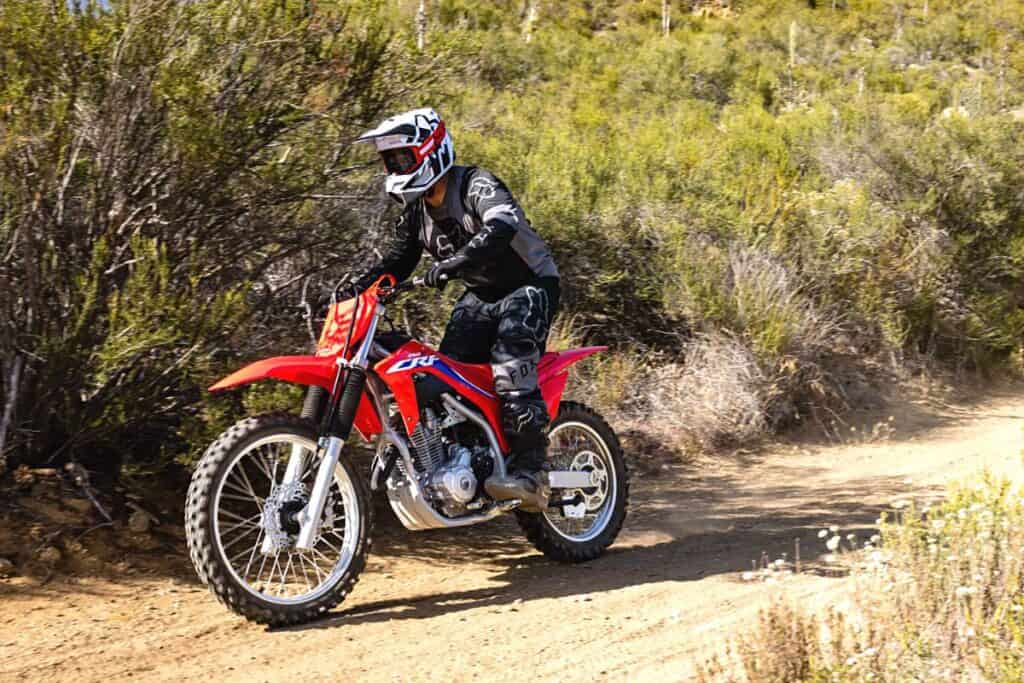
400 160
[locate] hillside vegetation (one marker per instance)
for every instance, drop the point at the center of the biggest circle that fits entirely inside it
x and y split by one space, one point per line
758 210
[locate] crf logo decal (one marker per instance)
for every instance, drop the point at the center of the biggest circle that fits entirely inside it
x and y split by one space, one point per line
413 362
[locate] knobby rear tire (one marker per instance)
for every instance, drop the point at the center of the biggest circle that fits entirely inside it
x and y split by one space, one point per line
540 532
209 562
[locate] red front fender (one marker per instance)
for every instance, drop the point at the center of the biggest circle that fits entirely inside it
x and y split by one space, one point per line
318 370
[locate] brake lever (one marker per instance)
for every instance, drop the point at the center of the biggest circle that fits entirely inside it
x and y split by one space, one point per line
390 293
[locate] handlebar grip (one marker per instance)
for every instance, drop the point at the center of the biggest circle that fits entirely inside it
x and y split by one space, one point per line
420 282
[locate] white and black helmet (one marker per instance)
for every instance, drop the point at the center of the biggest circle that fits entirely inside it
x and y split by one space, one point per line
416 149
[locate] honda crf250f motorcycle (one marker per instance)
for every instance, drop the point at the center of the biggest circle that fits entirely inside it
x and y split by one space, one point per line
278 522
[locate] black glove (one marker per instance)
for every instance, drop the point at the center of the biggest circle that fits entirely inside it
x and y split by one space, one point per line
442 272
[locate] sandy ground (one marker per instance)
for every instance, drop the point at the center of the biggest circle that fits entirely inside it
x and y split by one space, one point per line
482 603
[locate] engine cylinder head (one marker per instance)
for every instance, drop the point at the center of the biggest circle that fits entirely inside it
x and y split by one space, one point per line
428 449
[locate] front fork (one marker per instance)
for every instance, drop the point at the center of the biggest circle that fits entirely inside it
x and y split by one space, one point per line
335 429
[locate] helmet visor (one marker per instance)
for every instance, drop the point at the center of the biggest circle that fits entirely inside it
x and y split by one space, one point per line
399 161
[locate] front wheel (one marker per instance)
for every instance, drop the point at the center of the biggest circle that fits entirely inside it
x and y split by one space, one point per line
238 498
580 439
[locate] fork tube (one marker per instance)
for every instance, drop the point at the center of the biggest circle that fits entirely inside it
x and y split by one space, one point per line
341 416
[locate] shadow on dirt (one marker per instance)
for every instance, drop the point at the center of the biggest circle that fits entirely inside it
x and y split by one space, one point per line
727 531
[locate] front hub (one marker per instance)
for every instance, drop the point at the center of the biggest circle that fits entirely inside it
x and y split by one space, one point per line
281 517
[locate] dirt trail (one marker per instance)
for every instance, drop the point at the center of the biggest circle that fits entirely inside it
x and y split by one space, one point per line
482 603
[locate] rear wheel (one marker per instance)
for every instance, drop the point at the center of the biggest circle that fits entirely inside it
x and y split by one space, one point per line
582 441
237 499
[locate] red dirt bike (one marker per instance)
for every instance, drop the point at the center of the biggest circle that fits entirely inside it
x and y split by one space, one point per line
278 523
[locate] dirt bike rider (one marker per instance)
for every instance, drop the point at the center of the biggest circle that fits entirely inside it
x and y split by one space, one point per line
475 230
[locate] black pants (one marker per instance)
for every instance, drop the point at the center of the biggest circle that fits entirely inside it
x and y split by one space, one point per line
510 334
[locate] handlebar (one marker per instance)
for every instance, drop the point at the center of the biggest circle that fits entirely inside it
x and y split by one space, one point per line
391 292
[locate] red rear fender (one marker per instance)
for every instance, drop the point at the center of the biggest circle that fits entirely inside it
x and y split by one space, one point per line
556 362
553 373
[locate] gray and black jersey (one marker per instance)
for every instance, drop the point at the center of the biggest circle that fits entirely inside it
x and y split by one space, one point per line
482 226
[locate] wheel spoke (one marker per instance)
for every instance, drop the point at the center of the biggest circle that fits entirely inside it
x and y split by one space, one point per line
305 576
252 555
264 466
260 572
316 569
284 573
244 552
251 500
328 544
325 558
270 579
245 477
251 521
237 539
235 516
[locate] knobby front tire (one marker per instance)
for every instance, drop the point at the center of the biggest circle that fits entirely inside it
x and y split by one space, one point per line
244 463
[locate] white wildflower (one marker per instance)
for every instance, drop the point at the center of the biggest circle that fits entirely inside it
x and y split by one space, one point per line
823 533
832 543
876 538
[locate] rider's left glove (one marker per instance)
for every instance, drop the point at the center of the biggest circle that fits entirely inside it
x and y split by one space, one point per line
439 275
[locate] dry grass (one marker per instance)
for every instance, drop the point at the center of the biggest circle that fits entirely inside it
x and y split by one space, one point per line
715 399
939 598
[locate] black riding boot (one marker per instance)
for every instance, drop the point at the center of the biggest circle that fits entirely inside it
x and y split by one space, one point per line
528 479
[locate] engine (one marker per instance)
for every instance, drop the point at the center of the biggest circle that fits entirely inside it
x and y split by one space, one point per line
455 483
450 473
